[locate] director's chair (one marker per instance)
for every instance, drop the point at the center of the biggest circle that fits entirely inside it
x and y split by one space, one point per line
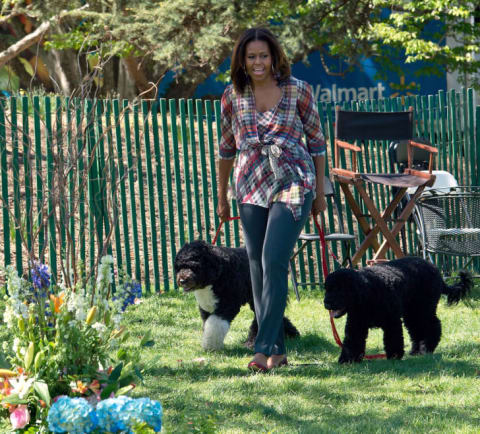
355 128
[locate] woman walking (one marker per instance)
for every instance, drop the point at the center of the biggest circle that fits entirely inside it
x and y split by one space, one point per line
278 177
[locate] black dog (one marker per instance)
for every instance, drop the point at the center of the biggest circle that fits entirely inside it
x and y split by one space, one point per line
381 295
220 279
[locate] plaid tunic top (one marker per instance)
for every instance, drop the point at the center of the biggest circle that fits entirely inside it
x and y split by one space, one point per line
274 164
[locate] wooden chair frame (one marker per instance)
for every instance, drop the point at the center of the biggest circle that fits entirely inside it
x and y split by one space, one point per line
410 178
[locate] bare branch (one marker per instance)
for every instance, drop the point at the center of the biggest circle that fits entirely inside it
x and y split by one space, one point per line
8 17
30 39
24 43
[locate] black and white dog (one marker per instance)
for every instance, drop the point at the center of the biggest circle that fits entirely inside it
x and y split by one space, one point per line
220 280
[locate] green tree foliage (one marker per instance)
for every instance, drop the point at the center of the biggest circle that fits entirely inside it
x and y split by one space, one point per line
193 37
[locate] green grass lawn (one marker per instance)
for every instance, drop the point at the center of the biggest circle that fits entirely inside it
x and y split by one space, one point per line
214 392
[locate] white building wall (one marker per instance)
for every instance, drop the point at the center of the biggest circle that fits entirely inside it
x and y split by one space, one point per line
457 80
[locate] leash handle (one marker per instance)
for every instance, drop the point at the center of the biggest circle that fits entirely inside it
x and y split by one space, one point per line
220 227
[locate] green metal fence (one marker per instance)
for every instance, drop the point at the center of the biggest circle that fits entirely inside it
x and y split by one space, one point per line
84 178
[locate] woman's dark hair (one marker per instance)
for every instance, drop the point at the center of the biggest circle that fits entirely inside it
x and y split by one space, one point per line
279 60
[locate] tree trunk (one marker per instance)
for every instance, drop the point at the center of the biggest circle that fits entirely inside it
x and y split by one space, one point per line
64 81
126 87
110 77
146 88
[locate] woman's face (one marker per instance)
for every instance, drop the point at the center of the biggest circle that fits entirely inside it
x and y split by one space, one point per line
258 61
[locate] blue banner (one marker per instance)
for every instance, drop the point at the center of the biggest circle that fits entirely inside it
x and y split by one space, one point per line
359 84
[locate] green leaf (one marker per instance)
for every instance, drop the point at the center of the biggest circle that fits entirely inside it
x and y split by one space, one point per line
124 381
124 390
115 375
42 390
29 354
3 362
138 373
28 67
122 354
142 428
147 340
111 388
14 399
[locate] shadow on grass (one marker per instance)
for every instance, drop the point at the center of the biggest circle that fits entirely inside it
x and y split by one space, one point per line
435 365
328 410
314 394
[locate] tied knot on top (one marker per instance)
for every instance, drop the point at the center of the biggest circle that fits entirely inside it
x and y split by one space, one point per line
273 151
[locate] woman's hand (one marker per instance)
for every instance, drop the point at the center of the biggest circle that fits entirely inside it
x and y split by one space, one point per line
319 204
223 209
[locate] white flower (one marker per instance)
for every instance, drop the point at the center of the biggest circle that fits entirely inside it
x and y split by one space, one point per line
8 316
77 304
21 385
107 259
14 283
100 328
113 344
16 343
20 308
104 277
117 320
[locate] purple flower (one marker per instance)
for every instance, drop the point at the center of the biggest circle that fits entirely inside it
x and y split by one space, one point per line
132 290
40 275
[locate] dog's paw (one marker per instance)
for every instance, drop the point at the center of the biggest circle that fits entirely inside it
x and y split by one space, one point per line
214 331
347 357
395 356
418 349
212 346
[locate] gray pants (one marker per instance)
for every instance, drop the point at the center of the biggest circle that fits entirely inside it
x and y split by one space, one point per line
270 236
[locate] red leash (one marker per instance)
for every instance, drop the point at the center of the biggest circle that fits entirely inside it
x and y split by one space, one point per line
323 244
220 227
321 232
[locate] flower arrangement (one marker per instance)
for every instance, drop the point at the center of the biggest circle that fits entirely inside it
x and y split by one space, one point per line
122 414
63 341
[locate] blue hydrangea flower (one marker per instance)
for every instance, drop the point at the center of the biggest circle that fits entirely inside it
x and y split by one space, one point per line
40 275
112 415
72 415
148 411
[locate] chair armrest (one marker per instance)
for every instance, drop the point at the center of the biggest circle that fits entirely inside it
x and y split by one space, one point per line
352 148
433 152
423 146
347 145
